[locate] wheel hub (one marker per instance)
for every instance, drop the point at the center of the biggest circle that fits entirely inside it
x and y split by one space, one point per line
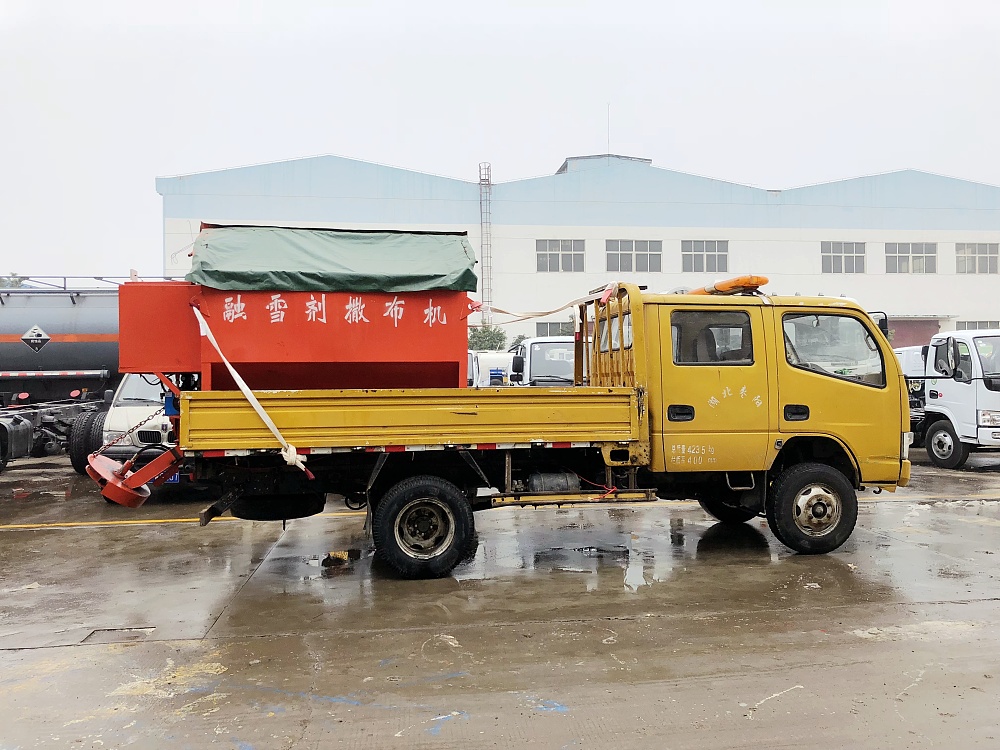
425 528
942 445
817 510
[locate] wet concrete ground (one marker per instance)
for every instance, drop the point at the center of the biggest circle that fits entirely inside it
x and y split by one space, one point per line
627 627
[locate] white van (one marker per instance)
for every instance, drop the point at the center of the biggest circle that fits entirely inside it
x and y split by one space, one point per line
962 411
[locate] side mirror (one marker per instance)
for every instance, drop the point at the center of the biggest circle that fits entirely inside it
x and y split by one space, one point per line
517 365
882 321
109 397
944 357
956 357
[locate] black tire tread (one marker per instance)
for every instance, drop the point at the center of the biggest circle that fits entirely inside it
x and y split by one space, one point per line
79 441
96 437
726 514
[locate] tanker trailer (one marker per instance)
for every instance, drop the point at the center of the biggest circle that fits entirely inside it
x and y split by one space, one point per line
58 354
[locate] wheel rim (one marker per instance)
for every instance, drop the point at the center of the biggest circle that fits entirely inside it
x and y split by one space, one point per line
425 528
817 510
942 445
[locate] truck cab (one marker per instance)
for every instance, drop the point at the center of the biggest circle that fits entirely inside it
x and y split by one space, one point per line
962 411
138 400
913 361
490 369
543 361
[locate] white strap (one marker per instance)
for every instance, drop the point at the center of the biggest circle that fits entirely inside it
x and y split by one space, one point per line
519 316
288 452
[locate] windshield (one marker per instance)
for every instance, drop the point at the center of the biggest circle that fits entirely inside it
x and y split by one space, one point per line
988 348
832 344
136 388
553 360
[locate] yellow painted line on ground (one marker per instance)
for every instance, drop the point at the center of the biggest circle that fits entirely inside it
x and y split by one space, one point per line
142 522
977 520
969 496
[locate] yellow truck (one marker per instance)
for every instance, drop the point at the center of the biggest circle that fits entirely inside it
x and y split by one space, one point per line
782 407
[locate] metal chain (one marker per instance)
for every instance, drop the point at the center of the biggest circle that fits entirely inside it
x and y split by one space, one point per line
124 435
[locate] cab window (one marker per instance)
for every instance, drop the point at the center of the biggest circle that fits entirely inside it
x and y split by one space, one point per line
711 337
963 372
838 346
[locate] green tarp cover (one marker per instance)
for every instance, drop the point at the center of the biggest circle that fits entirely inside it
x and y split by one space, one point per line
331 260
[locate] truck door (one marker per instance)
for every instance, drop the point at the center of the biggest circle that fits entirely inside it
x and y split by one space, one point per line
832 381
955 396
714 379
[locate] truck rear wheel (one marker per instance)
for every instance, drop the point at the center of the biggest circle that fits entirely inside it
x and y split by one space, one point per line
944 448
423 527
812 508
730 514
79 441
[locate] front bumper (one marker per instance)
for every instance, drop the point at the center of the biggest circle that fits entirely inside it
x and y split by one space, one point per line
989 437
904 473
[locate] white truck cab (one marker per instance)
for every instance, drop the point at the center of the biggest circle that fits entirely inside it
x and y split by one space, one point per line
543 361
962 384
137 398
489 369
913 361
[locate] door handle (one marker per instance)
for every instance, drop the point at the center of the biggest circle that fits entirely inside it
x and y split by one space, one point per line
680 413
933 394
796 412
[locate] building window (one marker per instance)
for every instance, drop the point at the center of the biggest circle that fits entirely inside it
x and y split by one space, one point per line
642 256
559 255
704 255
554 329
911 257
976 257
976 325
843 257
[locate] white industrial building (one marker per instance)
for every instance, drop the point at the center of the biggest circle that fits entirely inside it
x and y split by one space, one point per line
921 247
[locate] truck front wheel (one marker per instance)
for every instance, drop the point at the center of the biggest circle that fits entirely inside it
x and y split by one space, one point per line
812 508
78 444
944 449
423 527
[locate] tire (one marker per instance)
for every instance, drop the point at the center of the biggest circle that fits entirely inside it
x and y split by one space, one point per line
727 514
812 508
96 438
278 507
423 527
79 441
944 449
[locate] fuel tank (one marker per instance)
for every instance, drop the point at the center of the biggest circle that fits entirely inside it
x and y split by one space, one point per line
57 341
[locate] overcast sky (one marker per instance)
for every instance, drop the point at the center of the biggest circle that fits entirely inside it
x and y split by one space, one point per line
98 98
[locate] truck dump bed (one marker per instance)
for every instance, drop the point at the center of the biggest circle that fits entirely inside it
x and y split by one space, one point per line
411 418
